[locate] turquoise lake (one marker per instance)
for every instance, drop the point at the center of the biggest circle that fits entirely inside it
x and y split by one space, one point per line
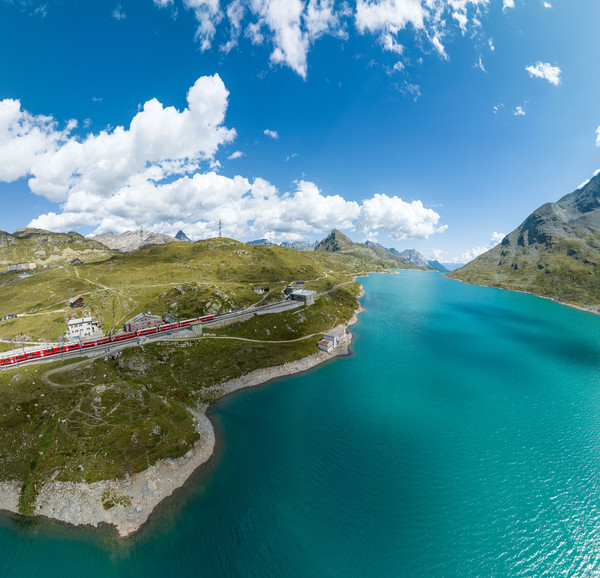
461 438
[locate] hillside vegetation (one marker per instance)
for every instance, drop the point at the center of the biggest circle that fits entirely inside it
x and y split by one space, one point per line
372 253
47 248
180 279
554 253
118 415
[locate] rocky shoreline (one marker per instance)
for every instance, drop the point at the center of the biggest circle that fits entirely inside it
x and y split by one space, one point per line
589 309
128 502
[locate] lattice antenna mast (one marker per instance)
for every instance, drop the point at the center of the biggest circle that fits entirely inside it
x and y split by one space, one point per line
220 227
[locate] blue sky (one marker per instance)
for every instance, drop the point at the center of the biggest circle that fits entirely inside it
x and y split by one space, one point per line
433 124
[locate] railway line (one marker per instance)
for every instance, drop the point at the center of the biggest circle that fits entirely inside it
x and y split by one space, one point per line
106 344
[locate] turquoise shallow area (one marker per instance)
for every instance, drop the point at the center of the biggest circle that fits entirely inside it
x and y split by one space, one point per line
462 438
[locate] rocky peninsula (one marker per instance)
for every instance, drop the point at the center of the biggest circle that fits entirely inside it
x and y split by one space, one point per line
127 502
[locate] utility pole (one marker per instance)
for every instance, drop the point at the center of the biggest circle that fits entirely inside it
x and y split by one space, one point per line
220 227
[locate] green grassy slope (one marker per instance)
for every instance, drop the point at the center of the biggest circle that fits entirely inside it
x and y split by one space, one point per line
119 415
182 279
554 253
47 248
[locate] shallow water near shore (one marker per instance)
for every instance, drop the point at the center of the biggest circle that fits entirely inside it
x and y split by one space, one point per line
461 438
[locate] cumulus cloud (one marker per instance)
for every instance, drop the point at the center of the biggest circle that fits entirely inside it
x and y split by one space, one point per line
25 139
519 111
547 5
235 155
161 142
546 71
473 253
397 218
508 4
271 133
246 208
596 172
154 174
597 136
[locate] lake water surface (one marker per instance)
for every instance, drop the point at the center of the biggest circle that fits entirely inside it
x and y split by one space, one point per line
461 438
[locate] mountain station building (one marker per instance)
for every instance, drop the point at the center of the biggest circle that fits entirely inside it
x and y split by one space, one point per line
304 295
82 329
143 321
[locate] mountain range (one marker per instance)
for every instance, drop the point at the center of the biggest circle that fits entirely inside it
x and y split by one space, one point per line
47 248
413 256
134 240
337 242
555 252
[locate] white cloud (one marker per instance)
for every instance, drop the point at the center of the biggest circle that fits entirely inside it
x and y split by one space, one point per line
491 44
151 175
473 253
389 43
236 155
235 15
508 4
546 71
208 14
161 141
246 209
583 184
293 26
271 133
597 136
284 20
496 238
519 111
389 16
397 218
547 5
25 138
498 108
118 13
480 65
438 255
596 172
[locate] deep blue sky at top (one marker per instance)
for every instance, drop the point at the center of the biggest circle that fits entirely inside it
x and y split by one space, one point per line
351 126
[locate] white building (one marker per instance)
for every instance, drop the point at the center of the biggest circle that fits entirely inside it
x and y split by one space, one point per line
332 339
82 329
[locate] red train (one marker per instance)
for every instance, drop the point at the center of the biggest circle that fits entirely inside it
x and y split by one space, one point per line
5 361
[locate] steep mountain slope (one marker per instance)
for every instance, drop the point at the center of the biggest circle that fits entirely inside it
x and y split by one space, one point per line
437 266
47 248
133 240
555 252
413 256
299 245
181 236
260 242
337 242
